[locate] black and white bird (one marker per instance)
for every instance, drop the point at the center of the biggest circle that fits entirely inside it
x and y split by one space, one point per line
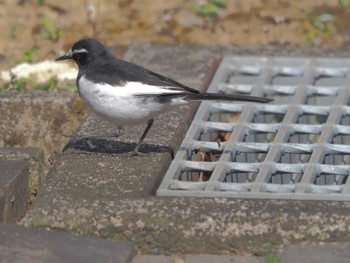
125 93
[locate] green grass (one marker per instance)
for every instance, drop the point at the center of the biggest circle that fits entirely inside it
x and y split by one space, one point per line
30 54
52 32
270 258
210 7
25 84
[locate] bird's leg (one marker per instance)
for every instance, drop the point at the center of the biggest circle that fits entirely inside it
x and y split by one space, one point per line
136 150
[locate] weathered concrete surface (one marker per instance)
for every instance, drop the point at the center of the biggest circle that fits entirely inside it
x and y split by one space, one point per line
203 258
21 244
95 189
13 190
334 252
39 119
191 225
36 167
339 253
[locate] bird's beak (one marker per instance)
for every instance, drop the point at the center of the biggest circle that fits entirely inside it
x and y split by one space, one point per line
63 57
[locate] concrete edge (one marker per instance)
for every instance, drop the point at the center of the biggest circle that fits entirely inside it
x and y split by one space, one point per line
36 166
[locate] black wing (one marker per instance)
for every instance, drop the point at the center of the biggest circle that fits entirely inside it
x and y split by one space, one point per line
119 71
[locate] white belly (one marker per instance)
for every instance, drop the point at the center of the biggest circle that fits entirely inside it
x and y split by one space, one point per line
119 105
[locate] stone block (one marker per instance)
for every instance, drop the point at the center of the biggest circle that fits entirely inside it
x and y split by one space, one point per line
36 167
13 190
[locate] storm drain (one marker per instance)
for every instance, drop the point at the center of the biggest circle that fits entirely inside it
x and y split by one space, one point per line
296 147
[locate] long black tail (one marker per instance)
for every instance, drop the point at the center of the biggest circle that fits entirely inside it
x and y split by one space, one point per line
226 97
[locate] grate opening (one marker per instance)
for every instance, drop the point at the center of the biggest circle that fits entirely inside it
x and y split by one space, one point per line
194 176
330 179
345 120
202 156
230 117
259 136
271 150
281 79
281 98
312 118
285 178
337 159
302 137
341 139
326 81
316 99
268 117
249 157
240 177
243 79
294 157
214 136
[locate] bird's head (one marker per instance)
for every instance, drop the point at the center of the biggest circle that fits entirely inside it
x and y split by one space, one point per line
85 52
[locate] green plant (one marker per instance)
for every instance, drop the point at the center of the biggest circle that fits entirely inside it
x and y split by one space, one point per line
319 26
50 85
72 87
30 54
18 84
344 3
25 84
209 7
322 22
52 32
270 258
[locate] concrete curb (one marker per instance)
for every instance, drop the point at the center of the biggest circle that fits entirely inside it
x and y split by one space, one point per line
93 189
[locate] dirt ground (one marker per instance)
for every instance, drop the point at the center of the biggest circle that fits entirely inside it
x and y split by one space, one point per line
33 30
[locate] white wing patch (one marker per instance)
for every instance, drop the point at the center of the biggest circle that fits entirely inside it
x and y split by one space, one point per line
129 89
137 88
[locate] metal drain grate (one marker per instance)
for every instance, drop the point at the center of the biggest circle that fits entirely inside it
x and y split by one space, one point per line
296 147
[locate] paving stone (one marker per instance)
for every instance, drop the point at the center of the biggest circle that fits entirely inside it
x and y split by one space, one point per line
13 190
21 244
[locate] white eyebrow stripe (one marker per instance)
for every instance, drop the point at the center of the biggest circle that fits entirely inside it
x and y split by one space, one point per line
82 50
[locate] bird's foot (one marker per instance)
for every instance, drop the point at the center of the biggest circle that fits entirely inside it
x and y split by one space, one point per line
132 154
135 153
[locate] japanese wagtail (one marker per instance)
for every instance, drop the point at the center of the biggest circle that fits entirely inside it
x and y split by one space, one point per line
124 93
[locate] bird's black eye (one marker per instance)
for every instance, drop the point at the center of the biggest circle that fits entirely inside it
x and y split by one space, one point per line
80 57
76 56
